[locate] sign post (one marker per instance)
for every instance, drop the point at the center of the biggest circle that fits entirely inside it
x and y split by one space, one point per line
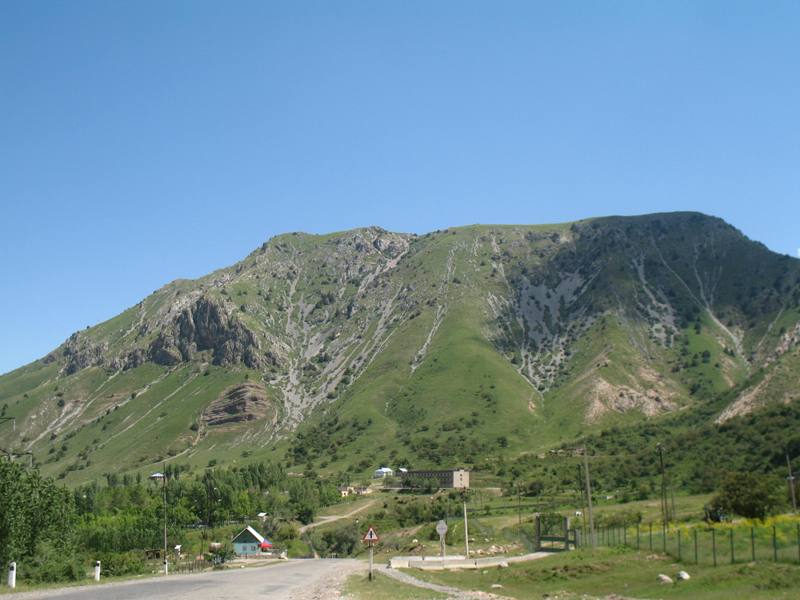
370 538
441 529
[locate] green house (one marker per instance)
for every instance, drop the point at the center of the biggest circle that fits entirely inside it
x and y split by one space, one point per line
247 542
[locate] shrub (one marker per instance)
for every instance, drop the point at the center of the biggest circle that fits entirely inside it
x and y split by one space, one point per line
122 563
49 564
747 494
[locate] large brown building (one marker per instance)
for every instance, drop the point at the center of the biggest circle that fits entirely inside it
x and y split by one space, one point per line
450 478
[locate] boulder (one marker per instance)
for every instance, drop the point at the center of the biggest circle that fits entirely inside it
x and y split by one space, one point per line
664 578
683 576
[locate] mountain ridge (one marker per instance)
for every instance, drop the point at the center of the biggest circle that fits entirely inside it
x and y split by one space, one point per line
565 328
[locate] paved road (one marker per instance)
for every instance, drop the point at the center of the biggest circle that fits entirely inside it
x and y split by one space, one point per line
294 579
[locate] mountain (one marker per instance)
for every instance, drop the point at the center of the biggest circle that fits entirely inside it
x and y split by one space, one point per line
342 351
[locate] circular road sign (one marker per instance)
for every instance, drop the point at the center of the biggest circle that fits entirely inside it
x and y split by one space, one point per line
441 528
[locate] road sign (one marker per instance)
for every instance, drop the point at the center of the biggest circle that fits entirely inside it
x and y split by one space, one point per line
441 528
371 537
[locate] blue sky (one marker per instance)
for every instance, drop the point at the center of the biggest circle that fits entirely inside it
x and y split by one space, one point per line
145 141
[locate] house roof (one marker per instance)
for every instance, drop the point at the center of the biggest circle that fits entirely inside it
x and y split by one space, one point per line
259 538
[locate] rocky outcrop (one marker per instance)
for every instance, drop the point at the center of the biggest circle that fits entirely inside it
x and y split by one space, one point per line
206 326
80 353
131 360
246 402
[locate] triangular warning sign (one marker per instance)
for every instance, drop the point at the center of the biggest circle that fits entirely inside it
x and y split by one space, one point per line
371 536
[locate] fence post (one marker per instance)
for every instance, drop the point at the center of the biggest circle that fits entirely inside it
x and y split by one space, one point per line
694 531
637 536
732 558
753 544
651 536
12 575
798 542
664 537
714 545
679 544
774 544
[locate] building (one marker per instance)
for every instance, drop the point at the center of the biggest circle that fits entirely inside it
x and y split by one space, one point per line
382 472
248 542
450 478
346 490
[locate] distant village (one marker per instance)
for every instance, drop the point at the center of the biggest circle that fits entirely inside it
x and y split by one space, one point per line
250 543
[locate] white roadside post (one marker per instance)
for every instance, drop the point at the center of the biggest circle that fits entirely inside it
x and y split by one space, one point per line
97 570
12 575
441 529
370 538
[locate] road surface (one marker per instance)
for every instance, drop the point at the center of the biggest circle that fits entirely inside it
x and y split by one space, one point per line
292 580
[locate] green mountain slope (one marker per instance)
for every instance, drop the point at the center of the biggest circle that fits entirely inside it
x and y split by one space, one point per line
342 351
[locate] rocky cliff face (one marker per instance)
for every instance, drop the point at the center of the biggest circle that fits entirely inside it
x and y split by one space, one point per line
206 326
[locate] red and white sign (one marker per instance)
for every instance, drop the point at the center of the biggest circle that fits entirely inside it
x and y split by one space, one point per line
371 537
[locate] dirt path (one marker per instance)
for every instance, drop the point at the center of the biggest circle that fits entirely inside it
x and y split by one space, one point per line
332 518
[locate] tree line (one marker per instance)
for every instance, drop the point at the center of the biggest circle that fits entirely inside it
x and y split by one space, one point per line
53 532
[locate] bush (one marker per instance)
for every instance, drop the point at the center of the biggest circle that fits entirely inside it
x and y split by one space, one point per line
285 532
298 549
49 565
748 495
122 563
342 541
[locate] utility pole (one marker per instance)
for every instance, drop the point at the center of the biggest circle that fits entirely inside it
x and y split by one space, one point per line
164 485
466 531
664 504
582 492
163 478
790 478
588 495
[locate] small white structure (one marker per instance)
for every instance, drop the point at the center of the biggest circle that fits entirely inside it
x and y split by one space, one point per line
346 490
382 472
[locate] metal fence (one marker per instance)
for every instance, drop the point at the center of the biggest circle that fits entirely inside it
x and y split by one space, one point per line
189 566
707 545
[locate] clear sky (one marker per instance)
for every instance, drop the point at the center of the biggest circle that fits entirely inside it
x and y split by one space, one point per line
143 141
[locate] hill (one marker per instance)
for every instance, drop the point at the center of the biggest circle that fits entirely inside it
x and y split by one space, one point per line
469 345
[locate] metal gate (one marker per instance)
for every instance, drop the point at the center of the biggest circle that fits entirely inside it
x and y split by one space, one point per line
553 532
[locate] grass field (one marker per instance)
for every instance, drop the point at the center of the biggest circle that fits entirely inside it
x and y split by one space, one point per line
358 587
627 573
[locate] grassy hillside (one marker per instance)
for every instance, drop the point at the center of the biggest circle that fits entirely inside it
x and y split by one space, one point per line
475 345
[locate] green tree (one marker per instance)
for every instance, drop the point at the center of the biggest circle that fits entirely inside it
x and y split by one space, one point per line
748 494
